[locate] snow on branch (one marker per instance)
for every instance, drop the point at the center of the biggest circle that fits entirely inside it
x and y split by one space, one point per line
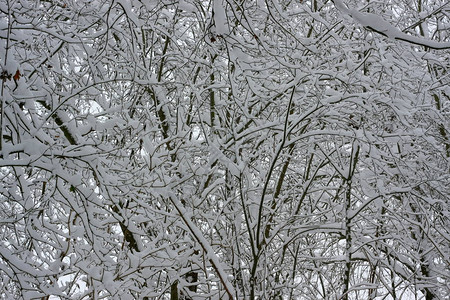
381 26
195 231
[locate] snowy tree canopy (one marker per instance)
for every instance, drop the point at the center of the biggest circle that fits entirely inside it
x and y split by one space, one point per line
223 149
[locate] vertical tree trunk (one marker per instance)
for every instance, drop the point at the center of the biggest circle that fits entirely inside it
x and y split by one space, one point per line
174 291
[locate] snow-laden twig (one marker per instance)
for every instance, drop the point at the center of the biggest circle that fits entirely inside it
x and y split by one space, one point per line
381 26
212 257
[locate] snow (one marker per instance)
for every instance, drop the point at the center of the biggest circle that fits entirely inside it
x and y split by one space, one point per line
375 22
58 196
219 18
381 26
217 154
186 6
211 255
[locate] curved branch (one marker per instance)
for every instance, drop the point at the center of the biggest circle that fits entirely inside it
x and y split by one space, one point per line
195 231
381 26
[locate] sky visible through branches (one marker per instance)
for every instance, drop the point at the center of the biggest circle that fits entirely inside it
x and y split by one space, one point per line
224 149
